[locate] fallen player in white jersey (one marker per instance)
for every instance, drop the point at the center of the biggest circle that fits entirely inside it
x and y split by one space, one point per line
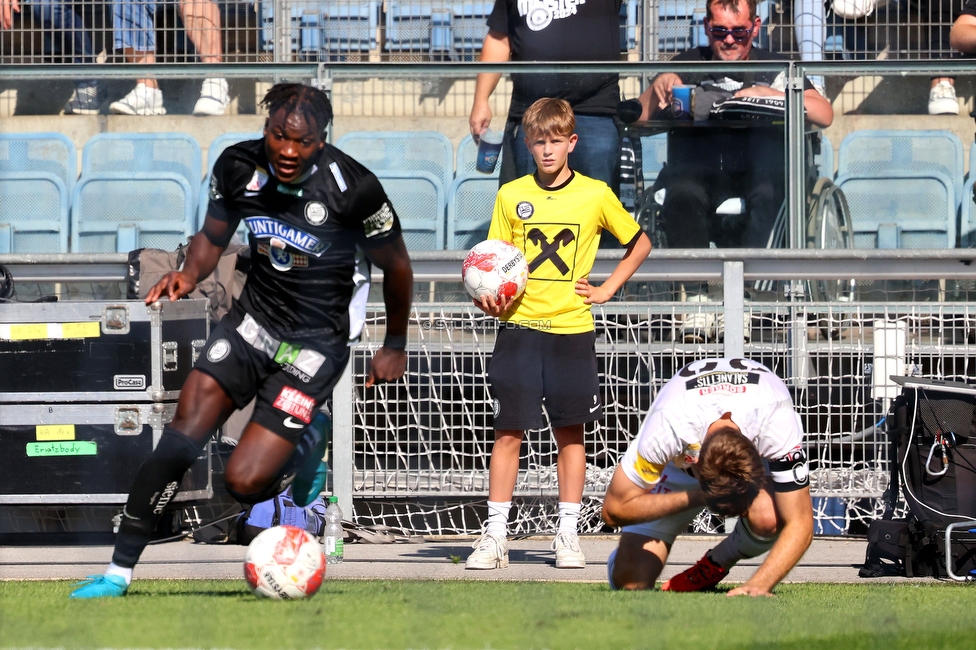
722 433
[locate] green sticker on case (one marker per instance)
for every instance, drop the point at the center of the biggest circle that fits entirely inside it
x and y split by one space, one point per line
62 448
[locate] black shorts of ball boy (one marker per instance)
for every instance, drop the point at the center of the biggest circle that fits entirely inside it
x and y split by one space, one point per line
545 353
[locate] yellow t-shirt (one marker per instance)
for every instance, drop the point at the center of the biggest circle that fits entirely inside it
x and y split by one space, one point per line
558 229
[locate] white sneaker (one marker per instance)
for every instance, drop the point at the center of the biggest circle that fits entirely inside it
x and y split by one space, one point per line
490 552
84 100
942 99
142 100
568 553
213 98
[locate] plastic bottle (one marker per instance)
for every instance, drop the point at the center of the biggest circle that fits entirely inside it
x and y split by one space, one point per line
332 542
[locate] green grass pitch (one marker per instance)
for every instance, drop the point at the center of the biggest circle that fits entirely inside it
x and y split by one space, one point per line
462 614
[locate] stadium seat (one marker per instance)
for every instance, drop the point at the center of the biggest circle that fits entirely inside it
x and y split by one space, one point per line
116 212
217 147
628 25
144 153
451 29
427 151
34 209
654 153
901 209
874 153
324 29
49 153
418 198
466 159
470 202
679 26
967 218
825 159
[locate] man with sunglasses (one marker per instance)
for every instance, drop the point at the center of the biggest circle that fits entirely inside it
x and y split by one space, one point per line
718 164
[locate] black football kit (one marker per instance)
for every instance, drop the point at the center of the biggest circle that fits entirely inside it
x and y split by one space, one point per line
285 339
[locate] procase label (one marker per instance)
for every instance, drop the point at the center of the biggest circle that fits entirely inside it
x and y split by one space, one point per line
49 432
63 448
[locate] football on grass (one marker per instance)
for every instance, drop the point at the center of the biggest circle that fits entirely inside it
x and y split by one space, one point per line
284 563
495 268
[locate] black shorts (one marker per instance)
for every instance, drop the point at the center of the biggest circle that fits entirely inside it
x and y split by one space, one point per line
530 368
290 379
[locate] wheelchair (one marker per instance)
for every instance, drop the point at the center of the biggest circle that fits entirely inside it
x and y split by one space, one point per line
827 219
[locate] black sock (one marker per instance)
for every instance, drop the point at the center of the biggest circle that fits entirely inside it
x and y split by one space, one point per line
155 485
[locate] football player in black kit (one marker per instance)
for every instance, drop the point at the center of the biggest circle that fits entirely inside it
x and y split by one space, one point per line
308 206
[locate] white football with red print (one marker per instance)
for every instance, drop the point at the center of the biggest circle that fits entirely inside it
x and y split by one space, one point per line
495 268
284 563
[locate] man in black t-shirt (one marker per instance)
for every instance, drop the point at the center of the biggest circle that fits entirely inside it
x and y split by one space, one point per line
534 30
309 208
718 164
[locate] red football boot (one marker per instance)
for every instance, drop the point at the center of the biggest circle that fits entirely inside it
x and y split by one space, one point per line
705 574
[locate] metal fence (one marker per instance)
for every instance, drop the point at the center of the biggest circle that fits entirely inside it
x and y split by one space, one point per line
77 31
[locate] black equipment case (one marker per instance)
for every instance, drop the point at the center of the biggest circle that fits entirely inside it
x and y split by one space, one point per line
87 454
85 389
99 351
932 428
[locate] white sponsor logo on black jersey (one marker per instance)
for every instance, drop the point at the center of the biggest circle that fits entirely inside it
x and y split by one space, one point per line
215 195
540 13
259 180
524 210
268 228
337 175
316 213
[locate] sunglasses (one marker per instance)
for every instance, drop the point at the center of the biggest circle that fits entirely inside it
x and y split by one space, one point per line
739 34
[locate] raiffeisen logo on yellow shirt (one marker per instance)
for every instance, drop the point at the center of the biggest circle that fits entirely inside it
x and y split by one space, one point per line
550 249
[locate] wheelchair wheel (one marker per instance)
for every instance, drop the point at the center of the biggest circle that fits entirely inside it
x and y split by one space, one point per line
649 219
829 227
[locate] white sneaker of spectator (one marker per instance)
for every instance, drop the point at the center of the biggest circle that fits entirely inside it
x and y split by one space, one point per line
142 100
942 99
84 99
213 98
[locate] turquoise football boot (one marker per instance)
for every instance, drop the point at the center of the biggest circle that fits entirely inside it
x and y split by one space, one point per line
312 470
103 586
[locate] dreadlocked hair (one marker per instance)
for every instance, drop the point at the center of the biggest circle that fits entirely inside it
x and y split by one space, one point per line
311 102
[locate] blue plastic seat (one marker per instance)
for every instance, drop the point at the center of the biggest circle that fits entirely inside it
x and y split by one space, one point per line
427 151
49 153
144 153
470 202
901 209
469 27
628 25
654 153
825 159
216 148
422 27
324 29
874 153
679 26
34 209
466 160
967 218
418 198
121 211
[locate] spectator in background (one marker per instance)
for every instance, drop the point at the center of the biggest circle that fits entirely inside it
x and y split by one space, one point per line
64 30
569 31
135 34
962 38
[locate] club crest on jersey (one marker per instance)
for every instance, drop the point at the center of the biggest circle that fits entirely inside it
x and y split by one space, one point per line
316 213
282 259
268 228
524 210
259 180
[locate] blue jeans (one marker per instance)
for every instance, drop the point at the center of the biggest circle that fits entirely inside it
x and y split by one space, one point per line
596 154
64 29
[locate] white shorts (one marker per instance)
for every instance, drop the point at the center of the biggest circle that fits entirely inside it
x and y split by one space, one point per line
667 528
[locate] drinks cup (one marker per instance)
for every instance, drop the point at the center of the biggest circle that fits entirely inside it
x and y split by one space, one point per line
489 146
681 102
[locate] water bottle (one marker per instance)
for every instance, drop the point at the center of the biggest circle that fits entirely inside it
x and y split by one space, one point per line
332 542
